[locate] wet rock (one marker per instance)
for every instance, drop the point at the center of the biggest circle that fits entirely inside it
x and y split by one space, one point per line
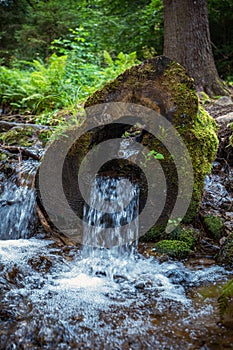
226 118
225 255
214 226
178 277
41 263
224 101
7 315
140 285
209 248
201 262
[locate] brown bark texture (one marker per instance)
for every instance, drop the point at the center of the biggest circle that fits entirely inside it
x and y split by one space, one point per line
187 41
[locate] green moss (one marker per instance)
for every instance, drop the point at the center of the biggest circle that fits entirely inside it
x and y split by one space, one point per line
173 248
231 136
18 136
204 98
202 143
154 234
181 88
214 226
44 136
197 128
187 235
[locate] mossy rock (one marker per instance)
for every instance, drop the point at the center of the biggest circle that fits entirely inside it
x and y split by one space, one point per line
214 226
225 255
173 248
18 136
188 235
154 234
163 86
25 136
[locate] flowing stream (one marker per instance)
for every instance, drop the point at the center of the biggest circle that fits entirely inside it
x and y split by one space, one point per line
102 296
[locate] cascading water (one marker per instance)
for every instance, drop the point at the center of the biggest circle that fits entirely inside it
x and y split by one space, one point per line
110 225
17 202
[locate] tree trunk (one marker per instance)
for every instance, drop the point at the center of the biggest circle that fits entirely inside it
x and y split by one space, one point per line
187 41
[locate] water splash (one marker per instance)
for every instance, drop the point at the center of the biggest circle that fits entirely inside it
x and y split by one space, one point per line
58 302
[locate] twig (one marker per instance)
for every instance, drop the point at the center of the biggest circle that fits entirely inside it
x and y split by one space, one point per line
5 126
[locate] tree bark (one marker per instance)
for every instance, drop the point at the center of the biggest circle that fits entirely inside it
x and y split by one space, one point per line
187 41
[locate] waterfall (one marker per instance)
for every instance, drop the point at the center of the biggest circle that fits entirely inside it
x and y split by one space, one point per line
112 217
110 224
17 202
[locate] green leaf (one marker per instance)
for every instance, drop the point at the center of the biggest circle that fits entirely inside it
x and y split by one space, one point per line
158 156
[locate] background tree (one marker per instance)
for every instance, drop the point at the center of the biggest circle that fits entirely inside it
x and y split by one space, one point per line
187 41
12 16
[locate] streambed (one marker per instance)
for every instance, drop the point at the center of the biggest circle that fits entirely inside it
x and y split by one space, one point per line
54 298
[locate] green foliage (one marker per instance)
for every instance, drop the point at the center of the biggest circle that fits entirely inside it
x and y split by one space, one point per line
224 298
28 28
115 26
155 155
36 90
13 85
44 22
214 226
78 45
63 82
149 156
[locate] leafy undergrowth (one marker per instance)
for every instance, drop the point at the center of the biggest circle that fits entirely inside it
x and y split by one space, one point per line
44 89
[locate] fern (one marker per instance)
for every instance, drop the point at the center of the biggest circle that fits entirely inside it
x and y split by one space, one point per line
108 58
224 298
60 82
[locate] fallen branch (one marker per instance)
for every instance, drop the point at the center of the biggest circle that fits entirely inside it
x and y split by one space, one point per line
6 126
48 227
24 151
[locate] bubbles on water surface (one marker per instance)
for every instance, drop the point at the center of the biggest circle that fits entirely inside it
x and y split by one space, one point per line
83 300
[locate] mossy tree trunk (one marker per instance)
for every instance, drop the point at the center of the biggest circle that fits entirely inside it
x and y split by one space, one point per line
187 41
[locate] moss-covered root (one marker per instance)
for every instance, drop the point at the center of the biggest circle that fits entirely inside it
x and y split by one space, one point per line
25 136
